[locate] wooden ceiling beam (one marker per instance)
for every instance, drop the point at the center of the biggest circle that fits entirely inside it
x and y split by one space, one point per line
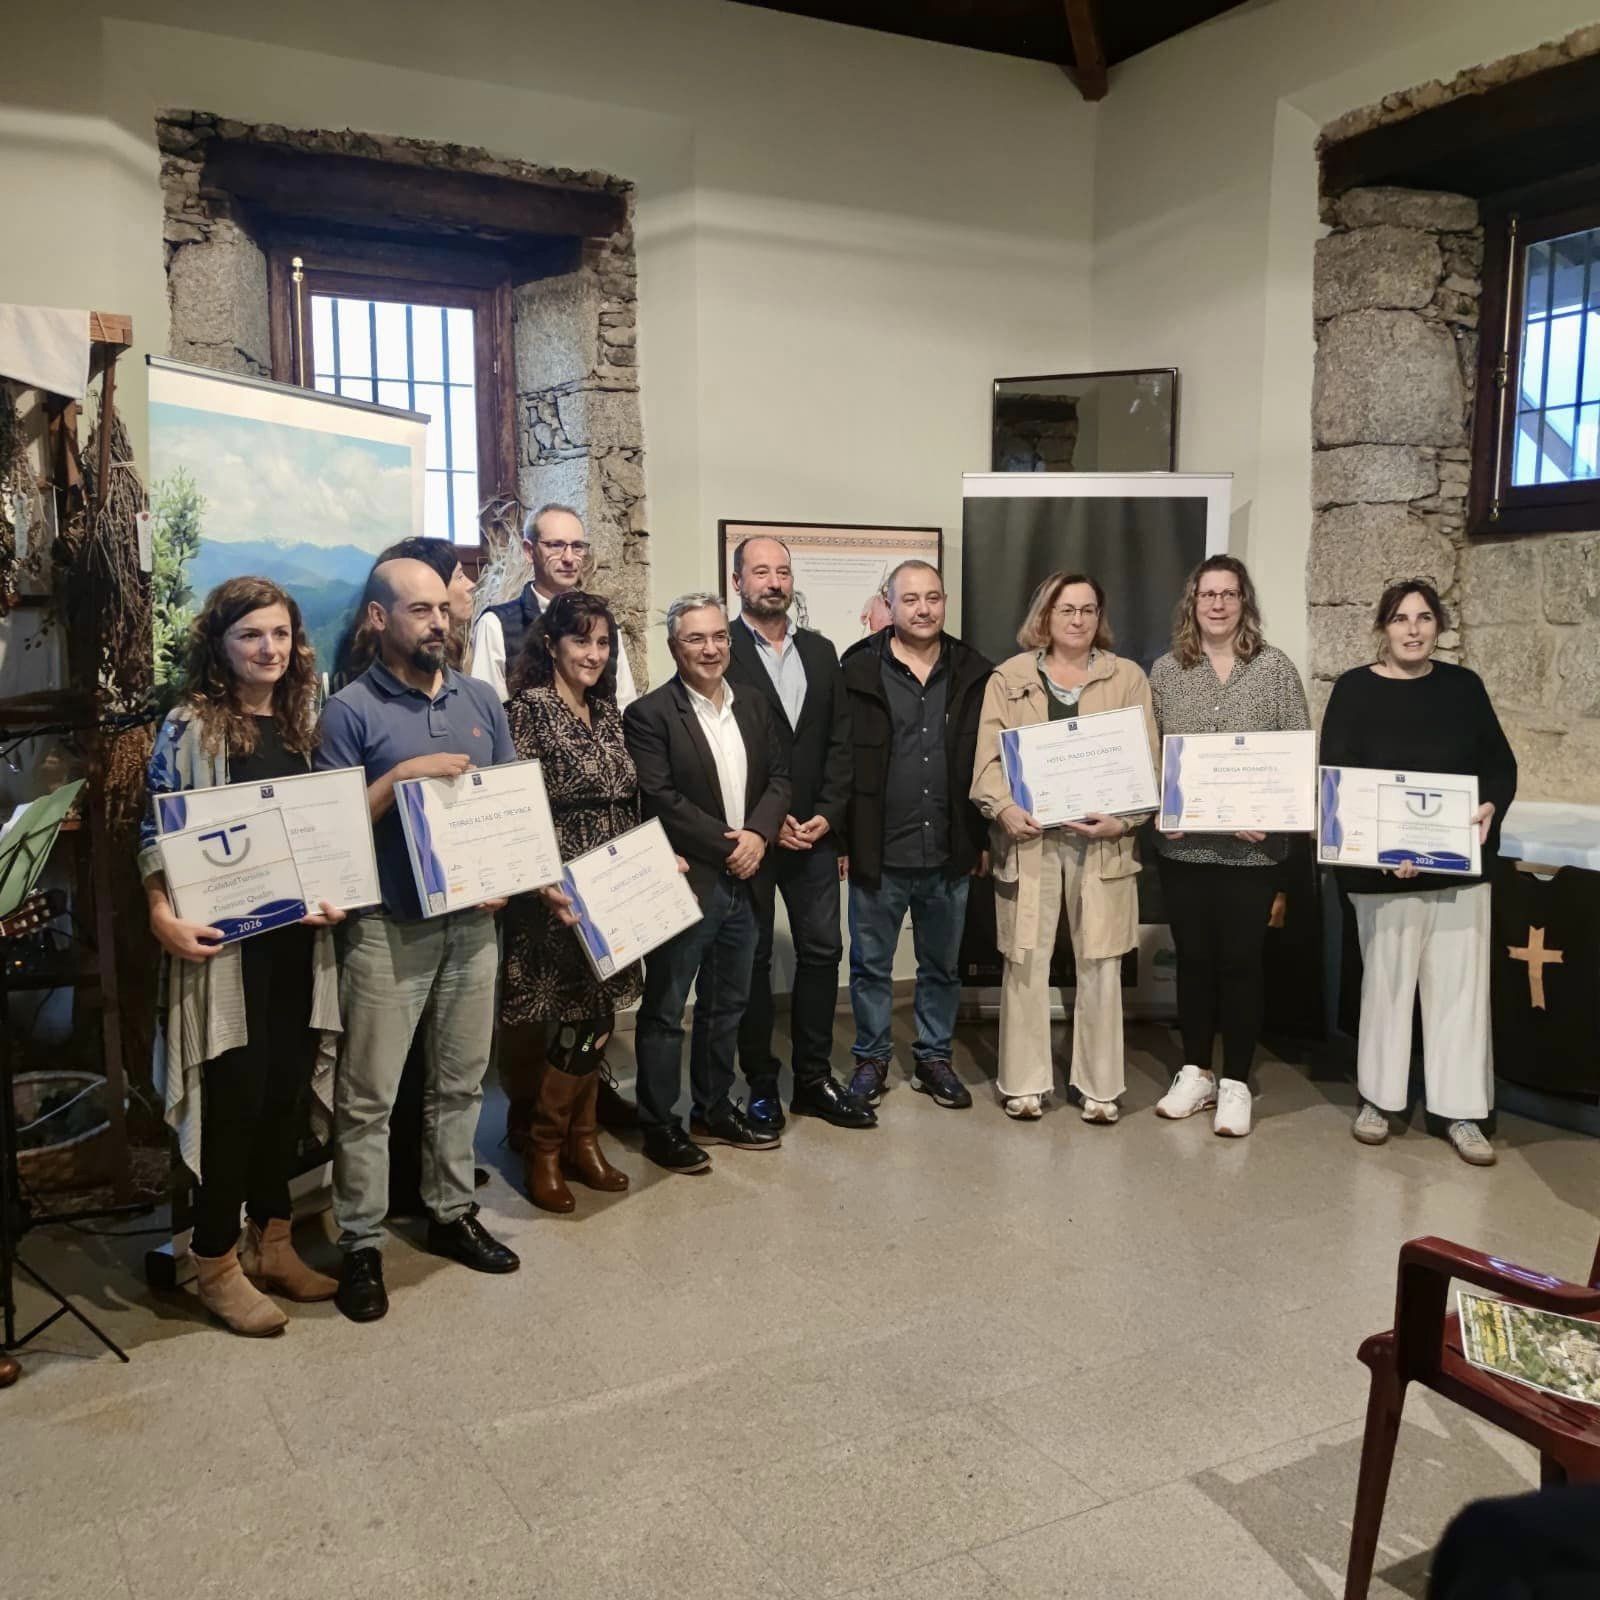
1088 67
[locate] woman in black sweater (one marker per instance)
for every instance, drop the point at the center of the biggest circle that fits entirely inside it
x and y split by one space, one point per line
1410 712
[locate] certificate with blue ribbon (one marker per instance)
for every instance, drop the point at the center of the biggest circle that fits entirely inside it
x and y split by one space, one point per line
630 897
1061 771
1371 817
237 876
1239 782
483 836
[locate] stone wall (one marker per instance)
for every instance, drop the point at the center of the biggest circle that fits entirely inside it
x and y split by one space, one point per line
580 437
1396 298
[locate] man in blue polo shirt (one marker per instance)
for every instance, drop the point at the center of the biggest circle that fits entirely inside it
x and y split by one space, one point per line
410 716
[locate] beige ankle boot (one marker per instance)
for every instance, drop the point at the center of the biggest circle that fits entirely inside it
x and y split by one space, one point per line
226 1293
271 1262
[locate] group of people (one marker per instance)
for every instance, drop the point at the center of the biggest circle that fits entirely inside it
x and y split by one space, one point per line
776 768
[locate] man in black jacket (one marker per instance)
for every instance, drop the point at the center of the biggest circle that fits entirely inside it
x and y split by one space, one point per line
797 672
714 768
914 839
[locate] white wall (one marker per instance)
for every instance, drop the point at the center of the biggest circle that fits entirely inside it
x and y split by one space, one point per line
1206 220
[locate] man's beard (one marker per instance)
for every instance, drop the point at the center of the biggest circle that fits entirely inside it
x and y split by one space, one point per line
769 605
428 655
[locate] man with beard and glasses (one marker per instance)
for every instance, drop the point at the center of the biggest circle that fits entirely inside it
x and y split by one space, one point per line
409 715
798 673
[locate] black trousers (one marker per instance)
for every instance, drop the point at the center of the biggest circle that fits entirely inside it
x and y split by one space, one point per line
251 1099
808 880
1219 925
1543 1546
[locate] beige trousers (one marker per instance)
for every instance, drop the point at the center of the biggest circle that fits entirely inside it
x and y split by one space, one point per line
1026 1066
1436 940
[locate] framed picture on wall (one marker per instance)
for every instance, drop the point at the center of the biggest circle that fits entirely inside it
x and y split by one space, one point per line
839 570
1087 422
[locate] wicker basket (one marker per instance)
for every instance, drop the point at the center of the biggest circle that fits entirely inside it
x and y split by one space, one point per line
78 1160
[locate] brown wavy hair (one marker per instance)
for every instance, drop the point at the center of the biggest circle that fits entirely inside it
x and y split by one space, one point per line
208 681
1247 641
1034 634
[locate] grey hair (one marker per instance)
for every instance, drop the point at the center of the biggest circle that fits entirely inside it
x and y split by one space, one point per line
691 602
530 526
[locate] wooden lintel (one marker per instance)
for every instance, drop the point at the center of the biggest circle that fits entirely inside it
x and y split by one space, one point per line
109 327
1088 67
362 191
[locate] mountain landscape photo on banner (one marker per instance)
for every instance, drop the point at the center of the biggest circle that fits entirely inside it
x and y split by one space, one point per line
304 492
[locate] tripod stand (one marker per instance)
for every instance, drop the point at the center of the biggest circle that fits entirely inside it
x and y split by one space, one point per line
16 1214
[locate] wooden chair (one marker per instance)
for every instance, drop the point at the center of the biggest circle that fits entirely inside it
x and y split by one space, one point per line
1424 1346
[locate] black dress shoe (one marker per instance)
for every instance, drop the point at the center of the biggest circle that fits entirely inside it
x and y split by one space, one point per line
730 1126
362 1296
828 1099
673 1149
467 1240
766 1110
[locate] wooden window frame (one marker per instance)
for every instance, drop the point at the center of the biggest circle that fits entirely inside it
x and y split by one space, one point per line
421 275
1511 225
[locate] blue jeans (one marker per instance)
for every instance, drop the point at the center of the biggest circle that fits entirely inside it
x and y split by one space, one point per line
718 950
938 906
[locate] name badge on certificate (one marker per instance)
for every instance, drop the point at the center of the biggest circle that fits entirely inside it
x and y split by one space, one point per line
486 835
329 823
1061 771
1377 818
629 896
236 876
1239 782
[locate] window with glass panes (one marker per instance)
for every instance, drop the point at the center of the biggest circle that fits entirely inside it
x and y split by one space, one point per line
419 358
1558 397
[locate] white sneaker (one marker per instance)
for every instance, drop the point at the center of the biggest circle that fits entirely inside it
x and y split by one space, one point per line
1025 1107
1192 1090
1233 1109
1471 1145
1100 1110
1371 1125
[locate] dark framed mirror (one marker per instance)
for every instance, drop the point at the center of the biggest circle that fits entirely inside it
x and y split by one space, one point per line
1087 422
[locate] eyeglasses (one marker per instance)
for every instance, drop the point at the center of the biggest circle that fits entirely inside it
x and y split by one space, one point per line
1071 613
577 547
1219 597
693 641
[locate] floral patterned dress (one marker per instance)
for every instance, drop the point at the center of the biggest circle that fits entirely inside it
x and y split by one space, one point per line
594 796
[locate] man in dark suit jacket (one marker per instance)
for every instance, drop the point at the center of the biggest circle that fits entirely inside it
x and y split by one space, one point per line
714 768
798 673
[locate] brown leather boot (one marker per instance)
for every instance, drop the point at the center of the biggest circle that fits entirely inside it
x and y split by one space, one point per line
226 1293
270 1261
583 1154
10 1371
519 1124
552 1115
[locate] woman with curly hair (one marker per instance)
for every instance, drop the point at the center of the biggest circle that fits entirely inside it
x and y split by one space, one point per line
247 1026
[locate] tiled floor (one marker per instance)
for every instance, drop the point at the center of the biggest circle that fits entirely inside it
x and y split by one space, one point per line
957 1358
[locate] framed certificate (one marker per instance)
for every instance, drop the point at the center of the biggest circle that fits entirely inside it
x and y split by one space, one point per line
1061 771
329 823
483 836
1229 782
629 896
1375 818
238 876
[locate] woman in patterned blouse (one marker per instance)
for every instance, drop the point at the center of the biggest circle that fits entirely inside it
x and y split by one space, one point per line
563 714
1221 676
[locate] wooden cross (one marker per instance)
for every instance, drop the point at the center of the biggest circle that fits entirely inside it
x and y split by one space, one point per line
1535 954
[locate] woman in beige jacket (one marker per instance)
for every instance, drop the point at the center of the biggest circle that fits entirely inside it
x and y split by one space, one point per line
1086 869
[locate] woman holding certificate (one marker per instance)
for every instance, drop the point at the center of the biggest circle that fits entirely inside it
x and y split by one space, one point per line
1410 712
1084 869
1221 676
563 714
261 1007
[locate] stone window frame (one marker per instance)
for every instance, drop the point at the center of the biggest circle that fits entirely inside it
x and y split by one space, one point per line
1513 223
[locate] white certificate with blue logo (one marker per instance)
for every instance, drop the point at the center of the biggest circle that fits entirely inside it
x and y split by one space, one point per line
1370 817
329 823
1061 771
630 897
486 835
1239 782
238 876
